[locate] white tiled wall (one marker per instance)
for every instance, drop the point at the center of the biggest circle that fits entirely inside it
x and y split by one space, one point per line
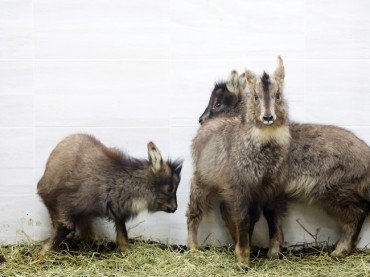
133 71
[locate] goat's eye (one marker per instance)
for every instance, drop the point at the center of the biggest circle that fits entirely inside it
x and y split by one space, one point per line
278 96
217 107
256 97
169 189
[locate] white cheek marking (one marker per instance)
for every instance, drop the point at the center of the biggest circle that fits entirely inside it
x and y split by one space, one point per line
139 205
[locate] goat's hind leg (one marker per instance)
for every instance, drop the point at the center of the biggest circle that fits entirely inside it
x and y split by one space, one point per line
85 229
62 226
59 234
198 205
228 219
348 237
351 218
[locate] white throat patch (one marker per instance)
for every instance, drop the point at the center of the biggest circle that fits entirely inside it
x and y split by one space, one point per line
280 134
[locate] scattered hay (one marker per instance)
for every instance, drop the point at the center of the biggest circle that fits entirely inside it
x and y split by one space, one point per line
2 259
156 259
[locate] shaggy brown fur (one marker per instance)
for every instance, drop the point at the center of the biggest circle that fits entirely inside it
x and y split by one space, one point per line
84 179
242 161
327 165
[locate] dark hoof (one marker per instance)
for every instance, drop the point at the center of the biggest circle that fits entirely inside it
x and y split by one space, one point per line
245 269
336 254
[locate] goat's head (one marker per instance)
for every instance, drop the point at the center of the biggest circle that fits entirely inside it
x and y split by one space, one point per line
266 104
167 176
226 98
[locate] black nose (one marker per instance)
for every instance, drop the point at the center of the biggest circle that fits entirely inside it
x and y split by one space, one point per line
171 210
268 118
200 120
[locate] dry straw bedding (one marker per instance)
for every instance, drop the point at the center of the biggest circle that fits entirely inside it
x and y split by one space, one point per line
155 259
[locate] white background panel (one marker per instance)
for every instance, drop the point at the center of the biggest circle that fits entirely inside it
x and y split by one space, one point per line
131 72
220 30
102 93
16 77
16 111
337 31
343 87
98 29
16 29
17 148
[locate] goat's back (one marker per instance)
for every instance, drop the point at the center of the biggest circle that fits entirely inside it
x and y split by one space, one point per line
326 158
76 154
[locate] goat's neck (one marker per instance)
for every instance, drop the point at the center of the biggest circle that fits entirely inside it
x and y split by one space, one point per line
278 134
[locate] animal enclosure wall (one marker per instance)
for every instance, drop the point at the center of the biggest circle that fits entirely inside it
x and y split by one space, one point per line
133 71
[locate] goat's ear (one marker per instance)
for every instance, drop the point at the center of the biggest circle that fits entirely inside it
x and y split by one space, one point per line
233 82
242 82
251 79
279 73
155 158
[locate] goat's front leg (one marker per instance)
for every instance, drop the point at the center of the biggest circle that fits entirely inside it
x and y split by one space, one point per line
274 214
229 218
245 223
122 237
243 247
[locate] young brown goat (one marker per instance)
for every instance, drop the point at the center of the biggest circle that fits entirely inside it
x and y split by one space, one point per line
84 179
327 165
243 160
